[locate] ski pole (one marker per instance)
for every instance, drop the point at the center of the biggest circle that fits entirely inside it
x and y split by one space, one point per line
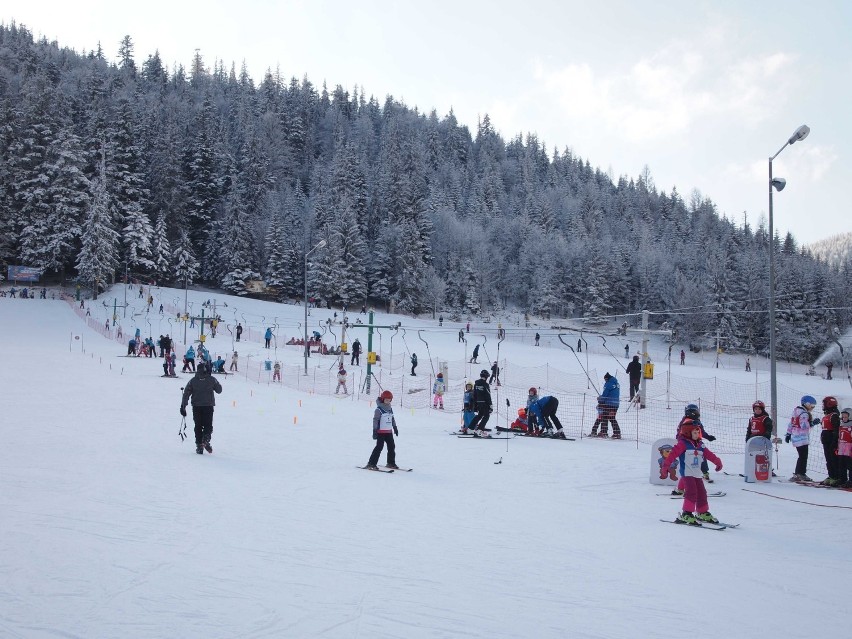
507 425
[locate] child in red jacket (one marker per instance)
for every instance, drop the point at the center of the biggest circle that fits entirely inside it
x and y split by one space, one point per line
690 452
522 423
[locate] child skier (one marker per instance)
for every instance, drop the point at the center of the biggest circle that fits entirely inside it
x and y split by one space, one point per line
532 396
521 423
759 424
189 360
384 428
799 434
690 452
341 380
467 409
828 438
692 412
438 389
544 410
844 448
276 374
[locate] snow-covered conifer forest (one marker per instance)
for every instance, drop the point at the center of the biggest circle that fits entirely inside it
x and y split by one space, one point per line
205 174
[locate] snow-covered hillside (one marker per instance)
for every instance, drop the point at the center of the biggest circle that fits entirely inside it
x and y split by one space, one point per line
113 527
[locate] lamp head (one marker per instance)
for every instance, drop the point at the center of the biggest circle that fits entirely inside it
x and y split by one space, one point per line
323 242
779 184
800 134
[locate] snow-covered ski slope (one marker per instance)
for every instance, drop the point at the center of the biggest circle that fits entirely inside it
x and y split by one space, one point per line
110 526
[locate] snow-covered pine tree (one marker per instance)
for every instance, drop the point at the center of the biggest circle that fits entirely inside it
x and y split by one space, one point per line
236 249
127 182
54 200
98 257
186 265
349 275
162 251
202 182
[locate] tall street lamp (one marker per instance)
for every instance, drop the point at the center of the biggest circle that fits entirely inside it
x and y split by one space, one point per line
307 351
778 184
126 284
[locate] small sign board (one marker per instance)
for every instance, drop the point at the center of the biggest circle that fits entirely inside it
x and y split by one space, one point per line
659 452
24 273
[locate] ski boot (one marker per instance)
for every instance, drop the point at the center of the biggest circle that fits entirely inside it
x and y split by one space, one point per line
677 493
707 478
709 518
616 435
207 446
686 518
393 466
559 434
199 449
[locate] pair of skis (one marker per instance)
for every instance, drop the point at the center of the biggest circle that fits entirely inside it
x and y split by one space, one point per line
673 496
567 439
706 525
814 484
385 469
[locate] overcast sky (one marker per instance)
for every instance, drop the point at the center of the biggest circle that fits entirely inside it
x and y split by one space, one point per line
701 92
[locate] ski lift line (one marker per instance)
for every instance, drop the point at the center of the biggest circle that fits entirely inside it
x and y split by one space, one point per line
484 340
603 339
571 348
407 350
428 352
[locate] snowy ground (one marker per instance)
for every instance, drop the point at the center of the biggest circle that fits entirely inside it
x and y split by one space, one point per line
111 527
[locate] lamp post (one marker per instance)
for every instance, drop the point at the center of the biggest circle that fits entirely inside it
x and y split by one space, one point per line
778 184
185 299
320 245
126 283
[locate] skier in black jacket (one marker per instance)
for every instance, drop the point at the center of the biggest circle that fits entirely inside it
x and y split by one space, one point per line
201 389
482 404
634 370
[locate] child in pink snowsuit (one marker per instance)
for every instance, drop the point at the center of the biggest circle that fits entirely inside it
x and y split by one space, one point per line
690 452
438 389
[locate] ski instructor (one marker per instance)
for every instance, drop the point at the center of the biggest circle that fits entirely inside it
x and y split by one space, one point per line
200 389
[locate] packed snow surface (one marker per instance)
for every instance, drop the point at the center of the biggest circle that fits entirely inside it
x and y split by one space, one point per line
111 526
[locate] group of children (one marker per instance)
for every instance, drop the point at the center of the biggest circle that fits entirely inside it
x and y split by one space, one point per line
835 437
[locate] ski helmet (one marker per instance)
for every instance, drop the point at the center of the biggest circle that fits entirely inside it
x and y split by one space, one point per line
386 396
808 400
692 411
533 390
829 402
484 373
440 375
848 412
758 404
687 427
522 412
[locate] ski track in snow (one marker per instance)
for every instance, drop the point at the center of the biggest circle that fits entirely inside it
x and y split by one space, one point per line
111 527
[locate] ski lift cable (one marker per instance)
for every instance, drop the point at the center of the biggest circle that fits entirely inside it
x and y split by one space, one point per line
428 352
571 348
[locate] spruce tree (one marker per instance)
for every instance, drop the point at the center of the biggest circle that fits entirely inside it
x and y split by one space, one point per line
98 258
